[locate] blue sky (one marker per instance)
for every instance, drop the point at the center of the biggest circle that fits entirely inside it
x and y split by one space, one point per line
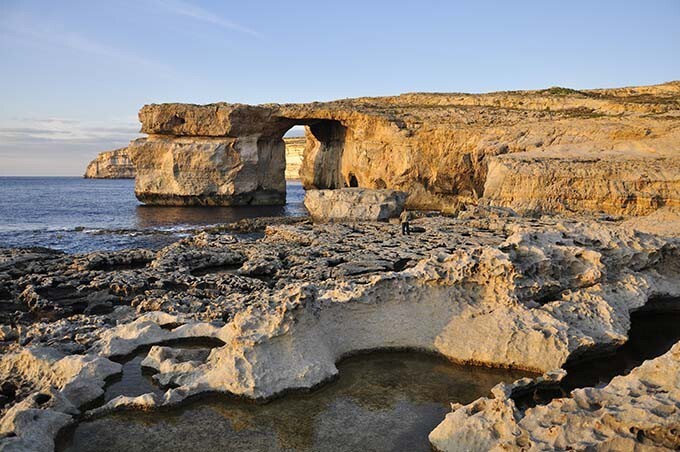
75 73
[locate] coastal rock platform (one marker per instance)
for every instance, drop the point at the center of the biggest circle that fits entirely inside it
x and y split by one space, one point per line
280 311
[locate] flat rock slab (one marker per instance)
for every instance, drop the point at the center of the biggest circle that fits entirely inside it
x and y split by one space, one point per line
354 204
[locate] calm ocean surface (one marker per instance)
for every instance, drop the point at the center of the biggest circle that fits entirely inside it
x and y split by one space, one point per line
82 215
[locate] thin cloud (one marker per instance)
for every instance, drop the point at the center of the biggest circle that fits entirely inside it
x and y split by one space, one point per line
26 131
27 30
186 9
39 130
46 120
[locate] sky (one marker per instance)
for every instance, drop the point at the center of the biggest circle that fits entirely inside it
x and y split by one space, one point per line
73 74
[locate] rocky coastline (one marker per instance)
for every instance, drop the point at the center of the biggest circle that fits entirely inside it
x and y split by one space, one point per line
114 164
281 310
556 219
548 151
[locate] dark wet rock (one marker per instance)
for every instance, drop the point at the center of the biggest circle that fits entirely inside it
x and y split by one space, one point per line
16 260
251 225
98 307
261 264
193 254
8 389
115 260
42 399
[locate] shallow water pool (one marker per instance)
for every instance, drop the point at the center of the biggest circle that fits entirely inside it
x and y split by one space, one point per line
381 401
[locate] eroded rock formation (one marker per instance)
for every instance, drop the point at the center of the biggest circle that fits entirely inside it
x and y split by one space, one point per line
295 151
638 411
628 183
603 148
114 164
492 289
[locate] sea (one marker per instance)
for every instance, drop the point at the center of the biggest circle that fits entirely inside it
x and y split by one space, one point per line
79 215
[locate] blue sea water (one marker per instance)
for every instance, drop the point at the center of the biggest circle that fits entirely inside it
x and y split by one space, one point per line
82 215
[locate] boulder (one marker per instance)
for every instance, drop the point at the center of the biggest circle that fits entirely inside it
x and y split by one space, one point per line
354 204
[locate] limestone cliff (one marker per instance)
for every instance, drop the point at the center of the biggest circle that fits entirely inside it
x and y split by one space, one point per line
631 183
437 147
111 165
295 150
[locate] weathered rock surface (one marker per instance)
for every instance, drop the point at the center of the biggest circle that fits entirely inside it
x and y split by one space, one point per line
436 147
354 204
530 301
622 182
664 222
114 164
638 411
209 171
51 387
295 150
497 290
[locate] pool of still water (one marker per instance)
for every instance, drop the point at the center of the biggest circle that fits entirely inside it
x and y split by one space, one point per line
382 401
387 401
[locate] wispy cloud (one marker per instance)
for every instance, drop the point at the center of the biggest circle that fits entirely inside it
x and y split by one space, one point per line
25 29
58 146
19 131
186 9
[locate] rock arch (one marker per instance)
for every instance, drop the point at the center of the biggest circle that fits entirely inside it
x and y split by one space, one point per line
230 155
443 149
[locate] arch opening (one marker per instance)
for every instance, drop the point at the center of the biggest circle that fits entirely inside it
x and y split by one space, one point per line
315 158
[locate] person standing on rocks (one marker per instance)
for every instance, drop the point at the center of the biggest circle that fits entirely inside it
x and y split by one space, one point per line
405 218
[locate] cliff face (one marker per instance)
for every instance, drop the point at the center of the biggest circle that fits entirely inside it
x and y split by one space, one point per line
114 164
627 182
295 151
602 148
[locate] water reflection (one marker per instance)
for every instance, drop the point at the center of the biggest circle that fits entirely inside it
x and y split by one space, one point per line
160 216
382 401
133 381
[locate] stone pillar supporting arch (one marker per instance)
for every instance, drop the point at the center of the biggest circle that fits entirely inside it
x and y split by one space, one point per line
322 163
229 155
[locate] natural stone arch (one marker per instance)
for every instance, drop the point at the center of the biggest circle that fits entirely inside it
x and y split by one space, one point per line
443 149
231 154
236 157
325 142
